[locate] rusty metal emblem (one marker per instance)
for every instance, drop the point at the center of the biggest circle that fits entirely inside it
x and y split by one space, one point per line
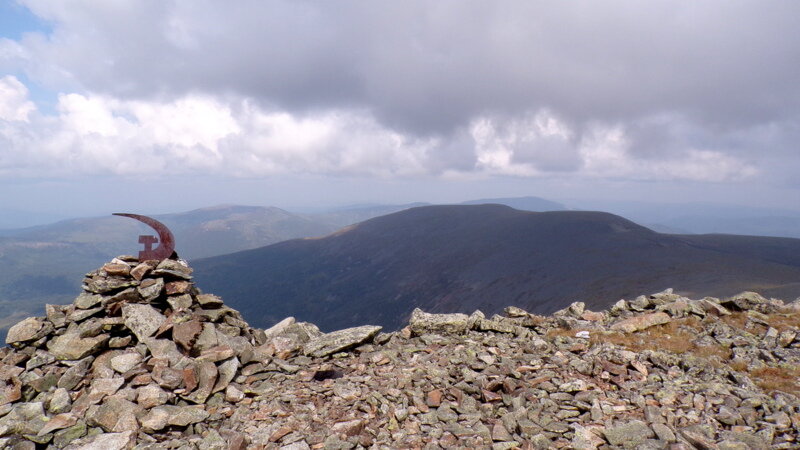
167 240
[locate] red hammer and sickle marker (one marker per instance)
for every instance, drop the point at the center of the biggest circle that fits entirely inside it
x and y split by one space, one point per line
167 246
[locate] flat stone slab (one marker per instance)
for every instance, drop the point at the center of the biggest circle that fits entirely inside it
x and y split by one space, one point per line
105 441
29 329
71 346
641 322
337 341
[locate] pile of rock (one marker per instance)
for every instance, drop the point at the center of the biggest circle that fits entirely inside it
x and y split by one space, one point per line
140 350
142 359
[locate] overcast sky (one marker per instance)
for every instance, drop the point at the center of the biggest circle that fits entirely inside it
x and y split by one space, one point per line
160 105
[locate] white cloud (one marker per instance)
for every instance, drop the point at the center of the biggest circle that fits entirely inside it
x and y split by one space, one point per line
198 134
14 103
205 135
606 153
529 145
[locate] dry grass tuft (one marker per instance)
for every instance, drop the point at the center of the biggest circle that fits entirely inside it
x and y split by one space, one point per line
777 378
675 336
785 320
736 320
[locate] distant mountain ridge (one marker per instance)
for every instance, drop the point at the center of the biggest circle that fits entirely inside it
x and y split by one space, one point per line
528 203
462 258
43 264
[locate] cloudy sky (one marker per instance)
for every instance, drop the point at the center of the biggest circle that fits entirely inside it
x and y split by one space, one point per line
167 105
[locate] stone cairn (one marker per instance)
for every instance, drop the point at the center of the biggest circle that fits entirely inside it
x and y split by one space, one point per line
140 349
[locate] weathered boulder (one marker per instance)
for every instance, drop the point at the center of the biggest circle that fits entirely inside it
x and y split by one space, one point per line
71 346
29 329
628 435
422 323
340 340
641 322
142 320
107 441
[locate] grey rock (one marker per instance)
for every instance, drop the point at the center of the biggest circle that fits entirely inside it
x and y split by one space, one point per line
279 327
213 441
79 315
513 311
125 362
701 436
87 300
151 395
105 441
340 340
29 329
184 415
180 302
24 418
207 338
142 320
106 285
151 289
56 315
75 374
663 432
39 359
115 415
70 346
496 326
68 435
628 435
422 323
60 402
209 301
163 349
640 322
226 373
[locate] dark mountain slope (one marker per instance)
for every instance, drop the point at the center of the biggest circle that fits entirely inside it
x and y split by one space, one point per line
462 258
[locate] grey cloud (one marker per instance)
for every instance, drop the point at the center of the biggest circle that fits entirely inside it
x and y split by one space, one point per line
448 60
429 68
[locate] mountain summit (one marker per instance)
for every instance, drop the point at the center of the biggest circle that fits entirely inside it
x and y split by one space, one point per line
461 258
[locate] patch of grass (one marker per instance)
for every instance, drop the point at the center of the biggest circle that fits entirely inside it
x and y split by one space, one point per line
675 336
786 319
777 378
736 320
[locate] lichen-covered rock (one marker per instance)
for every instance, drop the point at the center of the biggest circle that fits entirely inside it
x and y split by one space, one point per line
71 346
29 329
642 322
107 441
337 341
628 435
142 320
422 322
23 418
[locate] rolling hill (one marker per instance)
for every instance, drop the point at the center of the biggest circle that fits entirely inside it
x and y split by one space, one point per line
462 258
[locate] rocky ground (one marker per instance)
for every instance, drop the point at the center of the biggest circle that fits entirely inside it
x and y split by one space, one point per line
142 359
